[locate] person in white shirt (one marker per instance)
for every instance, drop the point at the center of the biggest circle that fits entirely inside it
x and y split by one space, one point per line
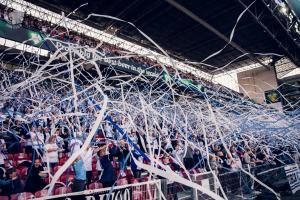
88 162
108 131
51 152
75 144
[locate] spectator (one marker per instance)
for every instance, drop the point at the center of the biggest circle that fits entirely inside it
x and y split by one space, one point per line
35 175
80 175
51 150
37 139
247 159
88 160
135 169
107 177
14 185
75 143
188 158
122 153
199 161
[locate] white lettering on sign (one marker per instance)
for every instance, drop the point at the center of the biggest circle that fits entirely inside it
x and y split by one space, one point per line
92 55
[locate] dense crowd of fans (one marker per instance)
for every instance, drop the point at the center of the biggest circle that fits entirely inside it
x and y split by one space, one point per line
32 148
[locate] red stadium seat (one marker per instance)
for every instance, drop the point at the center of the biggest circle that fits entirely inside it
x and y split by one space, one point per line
62 190
10 156
134 180
128 173
21 156
41 193
122 181
22 172
47 180
64 178
22 196
95 186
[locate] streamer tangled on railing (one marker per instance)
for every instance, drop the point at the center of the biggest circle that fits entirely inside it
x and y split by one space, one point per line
163 117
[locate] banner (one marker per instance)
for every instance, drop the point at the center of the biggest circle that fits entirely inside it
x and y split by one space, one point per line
124 194
138 191
20 34
187 83
104 58
293 175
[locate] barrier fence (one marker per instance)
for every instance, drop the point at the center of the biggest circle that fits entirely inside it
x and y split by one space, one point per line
281 179
234 184
177 191
139 191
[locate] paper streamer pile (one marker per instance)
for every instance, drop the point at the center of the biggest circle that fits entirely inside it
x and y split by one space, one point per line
70 91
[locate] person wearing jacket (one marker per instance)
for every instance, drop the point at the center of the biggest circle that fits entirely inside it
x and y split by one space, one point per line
108 175
12 185
35 176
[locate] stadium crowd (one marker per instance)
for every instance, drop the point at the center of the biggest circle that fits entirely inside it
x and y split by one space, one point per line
35 142
37 136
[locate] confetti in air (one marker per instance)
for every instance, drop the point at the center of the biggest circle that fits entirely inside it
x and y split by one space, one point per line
80 90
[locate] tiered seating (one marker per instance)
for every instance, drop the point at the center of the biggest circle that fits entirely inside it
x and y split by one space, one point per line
41 193
122 181
95 186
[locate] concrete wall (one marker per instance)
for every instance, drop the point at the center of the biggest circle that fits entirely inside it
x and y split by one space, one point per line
253 83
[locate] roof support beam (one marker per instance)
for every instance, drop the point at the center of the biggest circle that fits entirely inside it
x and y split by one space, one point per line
215 31
283 45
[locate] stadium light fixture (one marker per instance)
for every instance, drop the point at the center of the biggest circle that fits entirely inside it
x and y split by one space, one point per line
284 10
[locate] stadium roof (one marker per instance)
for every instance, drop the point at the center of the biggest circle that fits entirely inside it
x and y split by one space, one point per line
193 30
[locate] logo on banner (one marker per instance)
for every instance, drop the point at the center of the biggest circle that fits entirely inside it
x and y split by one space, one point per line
35 38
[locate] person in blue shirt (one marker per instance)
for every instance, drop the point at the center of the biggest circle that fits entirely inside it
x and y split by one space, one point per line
80 175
